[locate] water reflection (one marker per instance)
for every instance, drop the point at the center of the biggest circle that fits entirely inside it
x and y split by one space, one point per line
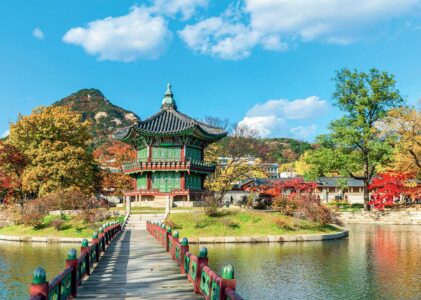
376 262
18 261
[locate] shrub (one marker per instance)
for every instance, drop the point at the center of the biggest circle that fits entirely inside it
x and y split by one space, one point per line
287 224
199 222
172 224
33 213
14 213
66 200
211 204
57 224
304 206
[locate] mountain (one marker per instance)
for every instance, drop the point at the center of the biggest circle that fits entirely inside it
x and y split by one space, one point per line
104 116
282 150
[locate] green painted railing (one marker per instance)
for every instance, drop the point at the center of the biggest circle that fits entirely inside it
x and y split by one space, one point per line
64 286
205 281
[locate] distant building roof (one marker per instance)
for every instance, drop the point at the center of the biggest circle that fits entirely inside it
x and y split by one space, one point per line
335 181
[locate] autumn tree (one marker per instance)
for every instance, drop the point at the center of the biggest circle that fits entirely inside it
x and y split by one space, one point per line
12 164
404 125
110 156
54 140
355 146
234 151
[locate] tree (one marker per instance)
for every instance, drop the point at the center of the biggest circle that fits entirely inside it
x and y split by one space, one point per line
12 164
404 125
235 149
54 140
355 146
389 188
110 156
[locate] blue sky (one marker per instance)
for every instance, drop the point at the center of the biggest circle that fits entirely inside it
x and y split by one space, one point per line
264 63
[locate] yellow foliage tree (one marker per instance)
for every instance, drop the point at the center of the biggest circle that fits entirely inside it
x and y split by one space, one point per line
54 140
405 125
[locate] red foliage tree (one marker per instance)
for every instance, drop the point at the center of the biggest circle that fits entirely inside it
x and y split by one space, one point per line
390 187
12 164
291 186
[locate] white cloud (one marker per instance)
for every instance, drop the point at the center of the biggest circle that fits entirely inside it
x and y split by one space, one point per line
38 33
219 37
126 38
274 24
279 117
290 109
263 125
187 8
303 132
5 134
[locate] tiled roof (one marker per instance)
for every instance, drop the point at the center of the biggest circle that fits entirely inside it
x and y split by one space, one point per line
169 121
335 181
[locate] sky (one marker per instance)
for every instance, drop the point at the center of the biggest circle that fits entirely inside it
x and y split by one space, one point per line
267 64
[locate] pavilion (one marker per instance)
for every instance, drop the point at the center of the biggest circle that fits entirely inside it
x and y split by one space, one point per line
169 155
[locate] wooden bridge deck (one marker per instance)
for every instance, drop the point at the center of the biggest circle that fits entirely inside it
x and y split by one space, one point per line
136 266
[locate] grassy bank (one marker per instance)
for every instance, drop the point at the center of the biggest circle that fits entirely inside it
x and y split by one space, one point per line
72 227
242 223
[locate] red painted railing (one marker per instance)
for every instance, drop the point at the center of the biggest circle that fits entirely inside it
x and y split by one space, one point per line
178 165
65 285
205 281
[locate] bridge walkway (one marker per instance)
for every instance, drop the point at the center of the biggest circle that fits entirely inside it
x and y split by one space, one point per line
136 266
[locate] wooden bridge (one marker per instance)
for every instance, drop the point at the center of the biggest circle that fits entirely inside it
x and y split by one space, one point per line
135 263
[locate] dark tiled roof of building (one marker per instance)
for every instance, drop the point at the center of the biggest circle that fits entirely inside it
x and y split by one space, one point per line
169 121
335 181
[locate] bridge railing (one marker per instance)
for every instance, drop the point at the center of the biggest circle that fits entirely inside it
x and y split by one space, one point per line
205 281
65 285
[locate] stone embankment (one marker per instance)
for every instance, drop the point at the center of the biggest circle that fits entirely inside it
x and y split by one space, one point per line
404 217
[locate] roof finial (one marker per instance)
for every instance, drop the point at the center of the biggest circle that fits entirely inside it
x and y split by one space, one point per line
168 102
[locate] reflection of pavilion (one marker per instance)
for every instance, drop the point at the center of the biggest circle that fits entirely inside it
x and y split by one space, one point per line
170 155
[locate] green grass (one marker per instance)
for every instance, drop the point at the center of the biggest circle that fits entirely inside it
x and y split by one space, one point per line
345 207
72 228
242 223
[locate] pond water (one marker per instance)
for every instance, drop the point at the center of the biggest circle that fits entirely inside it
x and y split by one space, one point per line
18 261
376 262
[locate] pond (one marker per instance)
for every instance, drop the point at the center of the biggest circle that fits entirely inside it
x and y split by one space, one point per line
18 261
376 262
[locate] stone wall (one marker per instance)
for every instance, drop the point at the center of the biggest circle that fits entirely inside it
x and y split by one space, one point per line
404 217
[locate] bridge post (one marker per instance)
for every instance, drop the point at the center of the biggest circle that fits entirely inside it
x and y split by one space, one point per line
174 243
72 262
184 248
227 281
96 243
202 261
39 285
167 239
85 249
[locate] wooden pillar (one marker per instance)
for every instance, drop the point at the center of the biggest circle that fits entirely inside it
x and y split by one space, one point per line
128 204
149 181
149 153
183 153
182 181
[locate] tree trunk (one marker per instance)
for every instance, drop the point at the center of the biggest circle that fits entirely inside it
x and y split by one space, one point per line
366 196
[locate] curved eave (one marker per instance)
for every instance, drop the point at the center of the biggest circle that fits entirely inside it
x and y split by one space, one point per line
194 130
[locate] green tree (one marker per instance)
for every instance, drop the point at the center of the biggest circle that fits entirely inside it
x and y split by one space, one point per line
54 141
355 147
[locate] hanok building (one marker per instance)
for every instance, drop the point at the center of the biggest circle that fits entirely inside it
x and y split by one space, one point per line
170 155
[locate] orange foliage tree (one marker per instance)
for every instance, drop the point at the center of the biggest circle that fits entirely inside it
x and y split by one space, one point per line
110 156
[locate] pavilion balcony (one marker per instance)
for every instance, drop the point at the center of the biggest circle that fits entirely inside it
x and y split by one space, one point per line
157 192
170 165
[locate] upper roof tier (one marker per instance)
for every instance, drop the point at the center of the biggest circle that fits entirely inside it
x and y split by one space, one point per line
170 122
